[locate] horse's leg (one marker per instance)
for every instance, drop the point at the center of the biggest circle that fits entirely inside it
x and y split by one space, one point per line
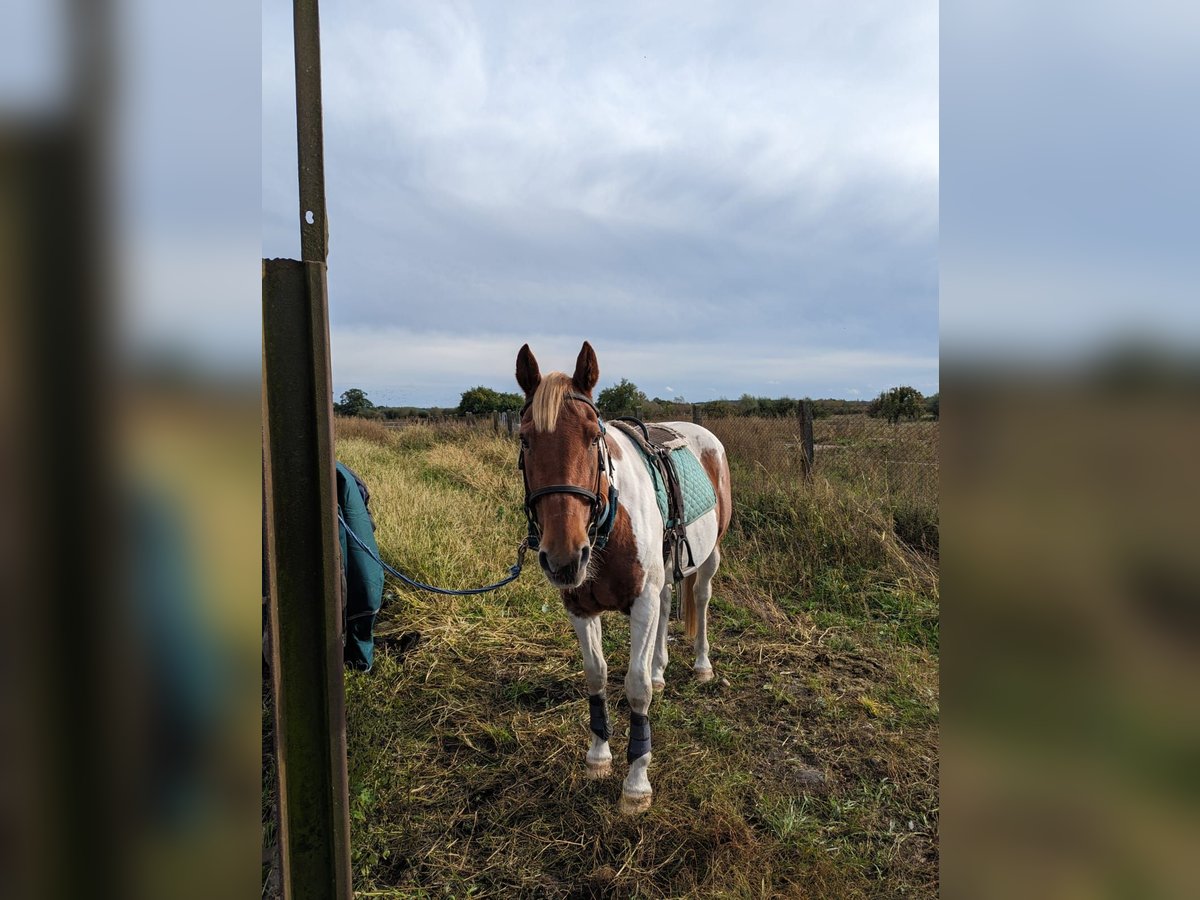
703 592
595 670
643 630
657 678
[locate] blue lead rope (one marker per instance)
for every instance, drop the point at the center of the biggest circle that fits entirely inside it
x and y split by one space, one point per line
513 571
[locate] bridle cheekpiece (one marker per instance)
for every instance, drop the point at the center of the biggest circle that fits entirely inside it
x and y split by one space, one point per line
603 513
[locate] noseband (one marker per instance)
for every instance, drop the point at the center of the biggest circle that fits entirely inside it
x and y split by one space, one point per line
603 514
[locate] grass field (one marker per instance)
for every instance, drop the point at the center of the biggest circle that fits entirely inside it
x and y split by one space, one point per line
807 768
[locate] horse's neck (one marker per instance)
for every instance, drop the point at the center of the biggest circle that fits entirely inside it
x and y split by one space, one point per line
632 479
624 474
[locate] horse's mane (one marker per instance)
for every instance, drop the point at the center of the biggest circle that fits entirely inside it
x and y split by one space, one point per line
548 400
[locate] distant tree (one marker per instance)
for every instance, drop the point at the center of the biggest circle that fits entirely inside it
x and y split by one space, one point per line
481 400
718 409
354 403
621 399
748 405
782 406
823 408
897 403
932 404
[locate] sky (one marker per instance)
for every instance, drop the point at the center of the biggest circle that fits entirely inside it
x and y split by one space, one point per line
722 198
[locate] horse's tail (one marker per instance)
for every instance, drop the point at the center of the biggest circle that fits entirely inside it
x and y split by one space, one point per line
689 606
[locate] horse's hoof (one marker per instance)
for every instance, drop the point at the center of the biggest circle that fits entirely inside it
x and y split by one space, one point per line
632 804
659 686
599 769
703 675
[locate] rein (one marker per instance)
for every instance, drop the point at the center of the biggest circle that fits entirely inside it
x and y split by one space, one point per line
513 571
603 513
599 526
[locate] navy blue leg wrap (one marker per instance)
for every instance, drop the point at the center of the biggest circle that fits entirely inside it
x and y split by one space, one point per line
599 716
639 736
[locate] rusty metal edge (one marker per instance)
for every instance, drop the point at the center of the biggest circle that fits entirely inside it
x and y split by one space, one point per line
318 286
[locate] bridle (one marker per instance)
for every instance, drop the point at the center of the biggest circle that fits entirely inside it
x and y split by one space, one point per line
603 513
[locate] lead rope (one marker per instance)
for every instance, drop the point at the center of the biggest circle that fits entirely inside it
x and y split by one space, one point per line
513 572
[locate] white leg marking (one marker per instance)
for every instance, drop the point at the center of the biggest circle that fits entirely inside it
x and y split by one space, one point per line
595 670
657 671
707 570
643 629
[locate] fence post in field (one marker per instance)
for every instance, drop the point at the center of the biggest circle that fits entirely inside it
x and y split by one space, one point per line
696 413
496 422
804 413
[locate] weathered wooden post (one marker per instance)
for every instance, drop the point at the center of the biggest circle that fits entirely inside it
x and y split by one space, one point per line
301 521
696 413
496 422
804 413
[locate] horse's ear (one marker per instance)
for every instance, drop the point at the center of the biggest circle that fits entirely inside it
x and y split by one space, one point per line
528 374
587 370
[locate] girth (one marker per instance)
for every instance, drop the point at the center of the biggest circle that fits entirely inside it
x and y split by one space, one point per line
603 514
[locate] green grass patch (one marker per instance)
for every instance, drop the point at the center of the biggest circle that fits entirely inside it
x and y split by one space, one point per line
795 773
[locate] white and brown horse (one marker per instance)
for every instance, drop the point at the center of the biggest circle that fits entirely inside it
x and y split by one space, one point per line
572 464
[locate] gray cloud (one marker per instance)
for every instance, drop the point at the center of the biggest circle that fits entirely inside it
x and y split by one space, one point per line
719 201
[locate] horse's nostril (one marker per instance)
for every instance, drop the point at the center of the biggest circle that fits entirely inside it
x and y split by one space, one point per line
563 570
585 553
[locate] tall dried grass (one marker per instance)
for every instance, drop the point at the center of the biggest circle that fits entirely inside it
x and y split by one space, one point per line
890 471
808 768
356 427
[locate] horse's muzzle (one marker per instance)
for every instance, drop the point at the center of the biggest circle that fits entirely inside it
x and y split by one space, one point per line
567 572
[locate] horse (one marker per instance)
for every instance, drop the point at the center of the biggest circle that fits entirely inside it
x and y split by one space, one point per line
584 480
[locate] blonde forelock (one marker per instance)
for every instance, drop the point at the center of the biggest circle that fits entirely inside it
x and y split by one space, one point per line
548 400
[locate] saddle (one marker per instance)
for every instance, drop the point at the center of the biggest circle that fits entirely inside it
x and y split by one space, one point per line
667 453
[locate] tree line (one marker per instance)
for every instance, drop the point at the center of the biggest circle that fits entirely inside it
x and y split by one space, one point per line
626 398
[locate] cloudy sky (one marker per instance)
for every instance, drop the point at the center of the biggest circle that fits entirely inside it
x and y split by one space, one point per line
722 197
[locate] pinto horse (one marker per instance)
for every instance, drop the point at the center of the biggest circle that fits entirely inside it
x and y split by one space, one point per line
576 472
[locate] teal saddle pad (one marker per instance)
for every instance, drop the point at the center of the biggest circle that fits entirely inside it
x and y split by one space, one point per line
697 490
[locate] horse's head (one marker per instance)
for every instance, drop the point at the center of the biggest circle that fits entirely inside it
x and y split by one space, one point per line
562 450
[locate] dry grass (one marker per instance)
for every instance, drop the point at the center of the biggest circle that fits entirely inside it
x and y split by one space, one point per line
890 469
367 429
808 768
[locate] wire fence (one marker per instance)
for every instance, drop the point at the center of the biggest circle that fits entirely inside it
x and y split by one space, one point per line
897 464
893 468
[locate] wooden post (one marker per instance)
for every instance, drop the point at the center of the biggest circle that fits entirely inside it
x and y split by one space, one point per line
804 413
696 413
496 422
